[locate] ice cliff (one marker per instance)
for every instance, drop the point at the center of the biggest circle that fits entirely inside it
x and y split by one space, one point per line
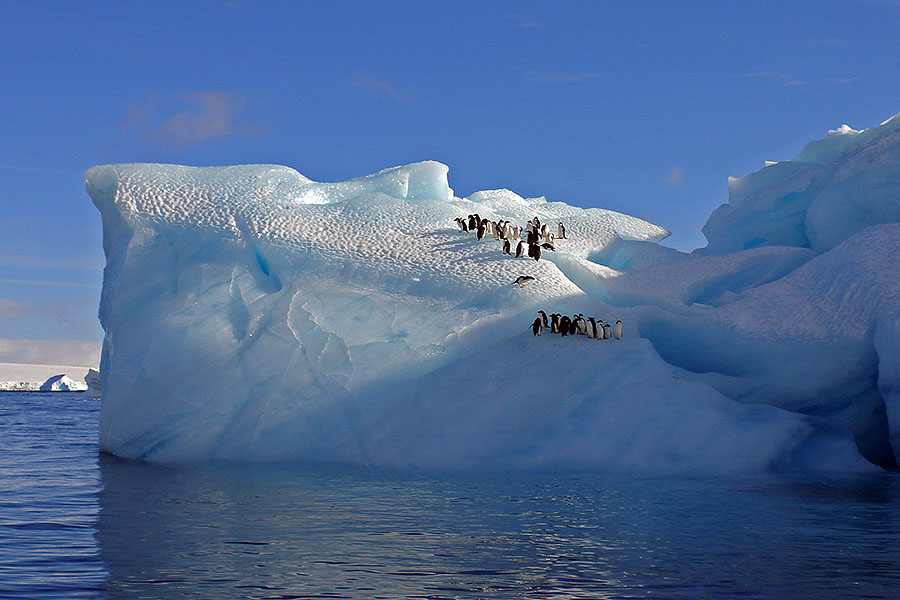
253 314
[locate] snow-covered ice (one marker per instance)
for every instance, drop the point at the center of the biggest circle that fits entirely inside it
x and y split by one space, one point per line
253 314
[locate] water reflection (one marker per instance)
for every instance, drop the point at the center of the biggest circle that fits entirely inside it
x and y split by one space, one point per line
298 532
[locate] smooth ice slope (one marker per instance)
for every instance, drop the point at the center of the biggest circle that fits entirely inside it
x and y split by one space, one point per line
836 187
253 314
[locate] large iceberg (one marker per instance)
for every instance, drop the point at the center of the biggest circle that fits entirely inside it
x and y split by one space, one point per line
253 314
836 187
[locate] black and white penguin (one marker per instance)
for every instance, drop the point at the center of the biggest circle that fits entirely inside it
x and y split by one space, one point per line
543 318
591 328
537 252
573 328
537 225
481 230
564 325
506 247
617 330
607 331
561 231
537 326
581 324
554 323
520 249
532 238
471 223
459 222
521 280
548 246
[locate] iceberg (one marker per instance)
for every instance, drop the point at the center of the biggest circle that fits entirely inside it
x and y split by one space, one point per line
251 313
836 187
62 383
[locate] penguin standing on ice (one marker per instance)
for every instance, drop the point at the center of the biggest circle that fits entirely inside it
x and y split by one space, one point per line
545 230
617 330
581 324
564 324
520 249
554 323
561 232
537 326
591 328
543 318
506 247
534 251
607 331
481 230
573 328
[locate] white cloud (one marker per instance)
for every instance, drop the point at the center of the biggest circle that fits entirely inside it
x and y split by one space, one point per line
50 352
844 81
189 118
559 77
377 86
785 79
521 22
676 177
10 309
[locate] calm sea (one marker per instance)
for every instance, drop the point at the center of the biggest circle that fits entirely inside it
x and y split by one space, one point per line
77 525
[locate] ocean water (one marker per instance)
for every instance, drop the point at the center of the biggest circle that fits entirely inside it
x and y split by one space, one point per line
74 524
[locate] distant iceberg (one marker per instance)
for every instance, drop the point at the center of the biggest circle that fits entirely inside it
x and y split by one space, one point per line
253 314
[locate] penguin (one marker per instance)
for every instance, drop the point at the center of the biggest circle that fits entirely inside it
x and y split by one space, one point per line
506 247
617 330
580 324
537 224
529 227
537 252
545 230
472 223
554 323
543 318
532 237
564 325
520 249
548 246
549 237
521 280
536 326
508 231
498 234
481 231
517 232
459 222
489 225
561 232
607 331
592 328
573 328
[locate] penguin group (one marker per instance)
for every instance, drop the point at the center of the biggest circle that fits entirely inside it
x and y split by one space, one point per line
538 236
576 325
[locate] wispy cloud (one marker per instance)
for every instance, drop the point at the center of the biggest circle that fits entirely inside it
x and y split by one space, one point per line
377 86
50 283
190 118
559 77
521 22
50 352
676 177
844 81
785 79
10 309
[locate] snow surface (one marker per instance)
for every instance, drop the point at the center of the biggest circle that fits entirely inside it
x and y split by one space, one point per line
836 187
252 314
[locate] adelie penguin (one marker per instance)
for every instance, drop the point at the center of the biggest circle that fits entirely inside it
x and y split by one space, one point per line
607 331
481 231
561 232
506 247
543 318
536 252
462 224
521 280
592 327
537 326
564 324
548 246
617 330
554 323
520 249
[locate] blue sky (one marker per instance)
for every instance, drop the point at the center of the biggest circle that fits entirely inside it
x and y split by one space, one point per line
644 108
